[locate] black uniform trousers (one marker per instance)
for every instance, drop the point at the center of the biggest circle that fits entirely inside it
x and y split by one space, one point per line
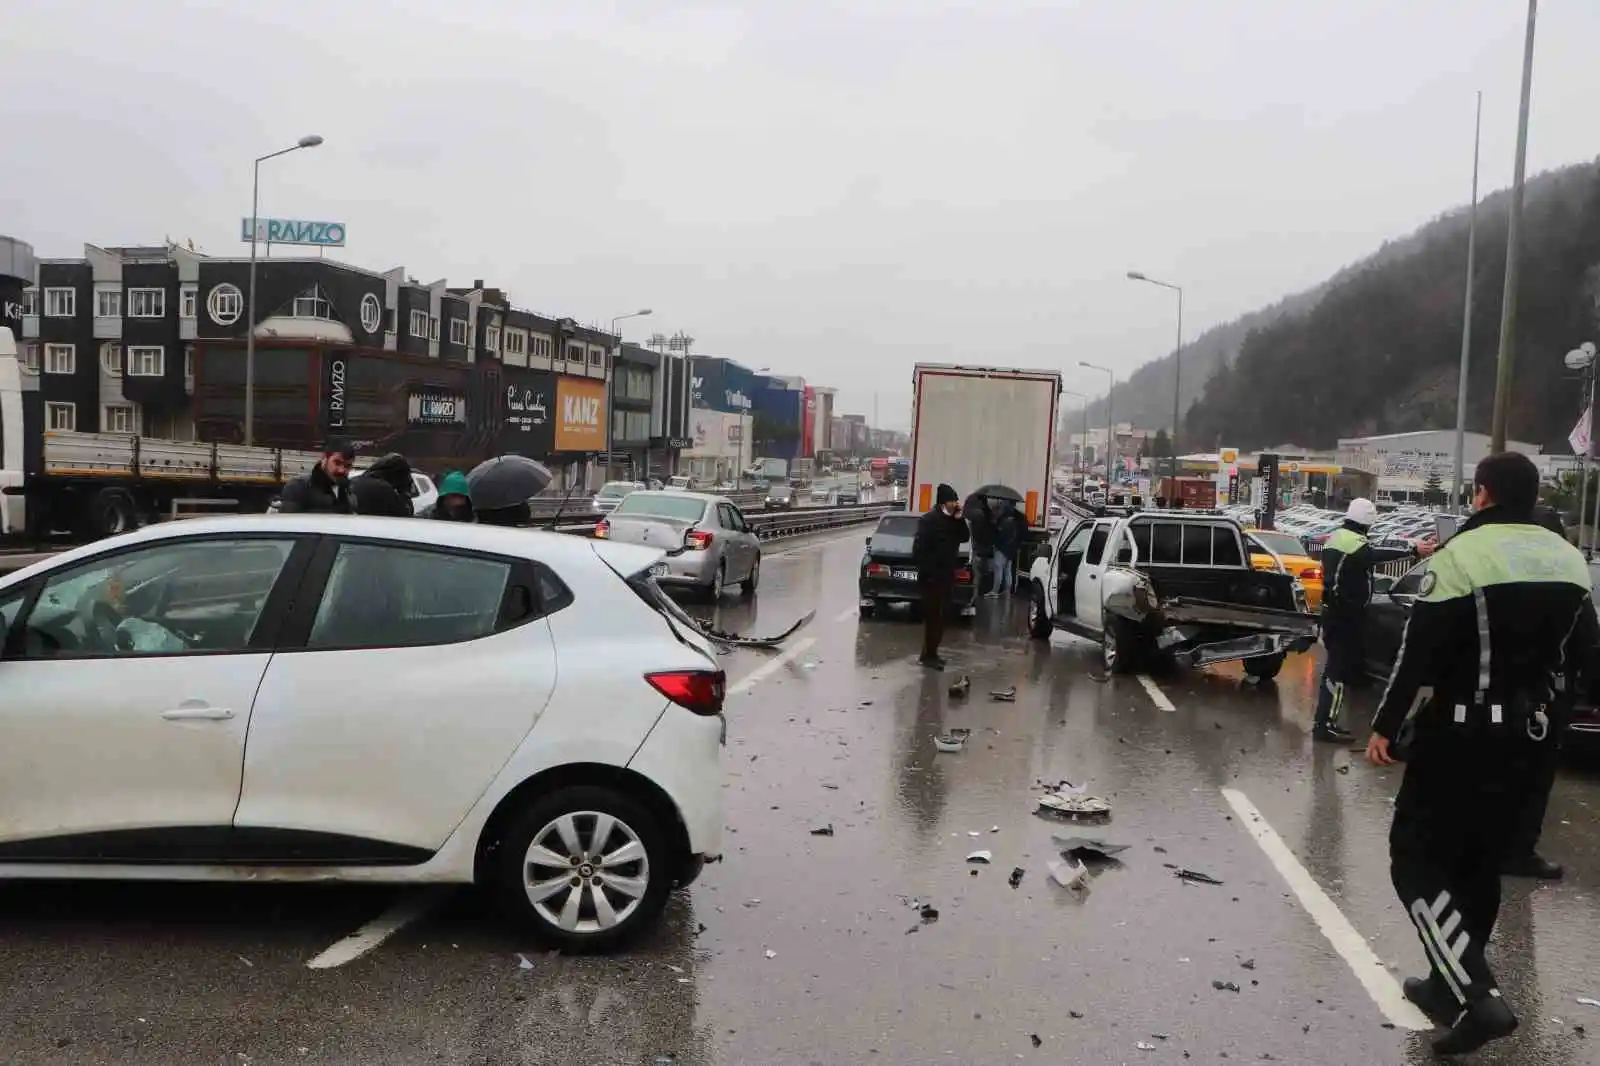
936 594
1342 664
1541 779
1456 817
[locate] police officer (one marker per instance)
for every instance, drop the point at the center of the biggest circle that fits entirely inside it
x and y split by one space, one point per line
1347 562
1467 707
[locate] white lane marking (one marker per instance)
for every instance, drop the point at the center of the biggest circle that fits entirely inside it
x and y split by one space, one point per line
404 911
1351 946
1157 697
847 614
772 666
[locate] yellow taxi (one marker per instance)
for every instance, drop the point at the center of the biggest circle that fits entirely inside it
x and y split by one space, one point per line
1295 560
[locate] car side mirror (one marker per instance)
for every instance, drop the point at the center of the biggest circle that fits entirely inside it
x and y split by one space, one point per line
2 629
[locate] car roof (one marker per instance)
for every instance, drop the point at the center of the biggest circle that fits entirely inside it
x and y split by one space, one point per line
549 547
708 497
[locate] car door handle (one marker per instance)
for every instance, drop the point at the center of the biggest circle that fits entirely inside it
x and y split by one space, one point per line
197 714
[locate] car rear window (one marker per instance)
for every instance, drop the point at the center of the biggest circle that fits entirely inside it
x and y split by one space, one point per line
1281 543
687 509
899 525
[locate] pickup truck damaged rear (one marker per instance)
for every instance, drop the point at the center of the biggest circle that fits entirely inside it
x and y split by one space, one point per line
1171 585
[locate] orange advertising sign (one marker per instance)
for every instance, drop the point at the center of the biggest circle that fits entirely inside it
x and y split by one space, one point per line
580 414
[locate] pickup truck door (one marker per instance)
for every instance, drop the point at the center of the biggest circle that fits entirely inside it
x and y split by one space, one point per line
1086 592
1066 554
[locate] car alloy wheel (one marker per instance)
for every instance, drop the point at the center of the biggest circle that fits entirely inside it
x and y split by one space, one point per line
585 868
748 586
714 590
586 872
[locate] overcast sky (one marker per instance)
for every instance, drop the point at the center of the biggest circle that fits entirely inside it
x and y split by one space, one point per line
830 190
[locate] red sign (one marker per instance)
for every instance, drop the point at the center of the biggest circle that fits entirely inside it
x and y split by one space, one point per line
808 425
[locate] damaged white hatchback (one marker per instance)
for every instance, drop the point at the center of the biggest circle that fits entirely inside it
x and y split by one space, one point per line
341 698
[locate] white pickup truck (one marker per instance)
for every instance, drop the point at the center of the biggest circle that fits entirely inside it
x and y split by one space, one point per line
1166 583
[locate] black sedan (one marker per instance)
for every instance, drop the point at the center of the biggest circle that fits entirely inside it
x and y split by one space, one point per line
1386 620
888 575
780 497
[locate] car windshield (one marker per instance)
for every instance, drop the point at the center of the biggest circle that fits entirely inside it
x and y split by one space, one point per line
1281 543
780 492
662 505
615 489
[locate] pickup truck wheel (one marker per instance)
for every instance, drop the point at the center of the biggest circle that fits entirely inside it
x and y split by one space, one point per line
1038 615
1120 647
1264 667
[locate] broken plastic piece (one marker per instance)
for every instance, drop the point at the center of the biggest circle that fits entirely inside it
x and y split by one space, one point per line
929 912
961 686
523 963
1587 1002
1145 1046
1034 1037
1016 876
1057 803
1067 874
1086 848
982 857
1004 695
949 744
1224 986
734 640
823 830
1196 877
771 954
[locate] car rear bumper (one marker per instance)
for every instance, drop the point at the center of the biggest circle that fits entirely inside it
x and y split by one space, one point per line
875 590
683 757
690 568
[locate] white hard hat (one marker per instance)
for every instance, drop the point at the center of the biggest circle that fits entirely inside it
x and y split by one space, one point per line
1362 512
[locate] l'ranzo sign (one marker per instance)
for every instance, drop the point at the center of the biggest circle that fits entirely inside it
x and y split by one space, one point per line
294 231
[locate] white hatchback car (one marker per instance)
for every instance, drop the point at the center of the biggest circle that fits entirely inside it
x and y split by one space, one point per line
308 697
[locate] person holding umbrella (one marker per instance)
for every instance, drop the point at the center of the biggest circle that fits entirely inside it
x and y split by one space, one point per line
500 489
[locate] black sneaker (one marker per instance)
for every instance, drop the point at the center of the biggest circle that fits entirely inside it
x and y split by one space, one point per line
1533 865
932 662
1486 1019
1332 734
1432 998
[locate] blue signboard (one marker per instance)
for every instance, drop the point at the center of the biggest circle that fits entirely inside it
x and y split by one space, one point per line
294 231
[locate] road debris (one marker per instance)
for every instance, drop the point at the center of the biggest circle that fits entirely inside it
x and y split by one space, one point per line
773 954
1224 986
1145 1045
1036 1040
523 963
983 858
1004 695
961 686
1067 874
1196 877
1587 1002
929 913
1088 849
823 830
1073 806
1248 964
1016 876
949 743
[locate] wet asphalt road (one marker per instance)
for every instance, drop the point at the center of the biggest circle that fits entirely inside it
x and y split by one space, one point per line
839 733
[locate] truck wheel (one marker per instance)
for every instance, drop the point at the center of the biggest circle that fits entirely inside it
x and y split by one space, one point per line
1264 667
111 511
1039 626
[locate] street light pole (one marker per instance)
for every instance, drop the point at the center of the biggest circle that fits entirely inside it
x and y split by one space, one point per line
1177 356
1111 439
309 141
1508 296
1077 461
1456 504
611 390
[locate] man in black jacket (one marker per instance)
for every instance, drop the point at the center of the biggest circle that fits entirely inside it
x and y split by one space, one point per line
325 489
937 551
1501 611
385 488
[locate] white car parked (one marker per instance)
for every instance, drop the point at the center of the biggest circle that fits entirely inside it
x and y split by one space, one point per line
306 698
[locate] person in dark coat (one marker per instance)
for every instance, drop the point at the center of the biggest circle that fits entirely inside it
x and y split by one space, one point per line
325 488
980 519
385 488
1010 528
936 548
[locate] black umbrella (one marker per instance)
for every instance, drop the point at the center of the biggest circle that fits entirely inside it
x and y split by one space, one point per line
506 481
999 492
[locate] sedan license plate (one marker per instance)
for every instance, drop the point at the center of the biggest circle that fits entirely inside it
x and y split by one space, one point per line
905 575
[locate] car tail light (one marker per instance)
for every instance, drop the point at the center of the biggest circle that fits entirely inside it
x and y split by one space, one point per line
602 529
697 540
1311 573
877 570
700 691
964 576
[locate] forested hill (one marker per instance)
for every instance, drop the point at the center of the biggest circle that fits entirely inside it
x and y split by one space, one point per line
1376 349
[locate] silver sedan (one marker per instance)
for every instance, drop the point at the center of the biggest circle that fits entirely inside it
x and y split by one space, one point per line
709 543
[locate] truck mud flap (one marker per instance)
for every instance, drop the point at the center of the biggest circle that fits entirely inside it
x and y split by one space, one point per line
1210 612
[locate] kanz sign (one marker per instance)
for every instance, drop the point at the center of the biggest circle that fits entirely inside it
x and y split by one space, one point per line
293 231
580 414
